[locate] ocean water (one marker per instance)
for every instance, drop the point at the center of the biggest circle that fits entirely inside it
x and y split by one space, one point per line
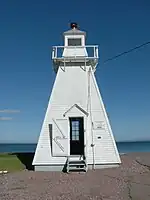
127 147
123 147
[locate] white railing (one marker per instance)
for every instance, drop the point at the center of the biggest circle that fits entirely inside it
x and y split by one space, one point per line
92 51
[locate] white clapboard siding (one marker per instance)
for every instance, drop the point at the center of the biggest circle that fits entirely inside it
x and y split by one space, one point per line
70 88
74 52
105 150
67 91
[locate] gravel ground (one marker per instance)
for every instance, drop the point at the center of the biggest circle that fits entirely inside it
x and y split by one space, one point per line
131 181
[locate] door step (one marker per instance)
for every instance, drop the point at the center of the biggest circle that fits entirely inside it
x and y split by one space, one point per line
76 163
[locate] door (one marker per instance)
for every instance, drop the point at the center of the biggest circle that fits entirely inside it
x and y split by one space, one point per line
76 136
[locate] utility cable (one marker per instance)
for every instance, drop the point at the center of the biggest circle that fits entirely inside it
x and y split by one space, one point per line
126 52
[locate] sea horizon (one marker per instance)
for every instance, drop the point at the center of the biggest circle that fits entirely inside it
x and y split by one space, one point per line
37 142
123 146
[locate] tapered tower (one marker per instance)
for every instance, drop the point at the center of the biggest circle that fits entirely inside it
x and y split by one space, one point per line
76 130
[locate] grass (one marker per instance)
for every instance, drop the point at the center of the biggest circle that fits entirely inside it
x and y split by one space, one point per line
10 162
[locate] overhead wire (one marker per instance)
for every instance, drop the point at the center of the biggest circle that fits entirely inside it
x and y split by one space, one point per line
126 52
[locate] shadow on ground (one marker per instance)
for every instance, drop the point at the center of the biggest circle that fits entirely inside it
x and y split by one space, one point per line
26 159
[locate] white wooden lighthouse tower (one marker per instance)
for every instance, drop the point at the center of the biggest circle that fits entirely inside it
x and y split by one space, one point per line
76 132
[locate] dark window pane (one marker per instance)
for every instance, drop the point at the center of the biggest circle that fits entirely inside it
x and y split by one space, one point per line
77 127
73 123
77 137
73 132
74 42
73 137
77 133
77 123
73 128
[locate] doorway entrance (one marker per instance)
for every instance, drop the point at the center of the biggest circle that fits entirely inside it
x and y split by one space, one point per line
76 136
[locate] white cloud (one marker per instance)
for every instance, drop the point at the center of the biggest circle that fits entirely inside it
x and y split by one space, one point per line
9 111
5 118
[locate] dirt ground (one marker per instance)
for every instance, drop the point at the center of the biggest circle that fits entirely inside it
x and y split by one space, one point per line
131 181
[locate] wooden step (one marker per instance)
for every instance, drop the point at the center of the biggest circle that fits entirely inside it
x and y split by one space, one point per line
76 163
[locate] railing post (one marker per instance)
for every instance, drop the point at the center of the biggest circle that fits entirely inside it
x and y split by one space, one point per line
94 52
53 52
56 52
97 52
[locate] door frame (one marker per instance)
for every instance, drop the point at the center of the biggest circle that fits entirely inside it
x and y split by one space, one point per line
83 142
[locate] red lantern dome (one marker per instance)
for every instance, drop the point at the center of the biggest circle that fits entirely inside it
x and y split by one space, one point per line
73 25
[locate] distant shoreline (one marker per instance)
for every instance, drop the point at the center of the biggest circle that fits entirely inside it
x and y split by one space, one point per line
123 147
22 143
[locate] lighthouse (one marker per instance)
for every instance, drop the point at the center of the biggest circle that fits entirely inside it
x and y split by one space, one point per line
76 133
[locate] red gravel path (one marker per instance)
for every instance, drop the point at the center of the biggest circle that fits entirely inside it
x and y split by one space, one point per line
131 181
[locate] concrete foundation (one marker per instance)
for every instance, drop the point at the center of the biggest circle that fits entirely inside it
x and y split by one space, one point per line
56 168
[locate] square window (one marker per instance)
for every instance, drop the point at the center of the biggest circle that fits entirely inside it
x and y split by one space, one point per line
74 42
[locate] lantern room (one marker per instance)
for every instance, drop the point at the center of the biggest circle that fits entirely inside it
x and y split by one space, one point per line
75 52
74 37
74 41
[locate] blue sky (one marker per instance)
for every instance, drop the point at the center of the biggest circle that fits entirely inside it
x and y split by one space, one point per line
29 29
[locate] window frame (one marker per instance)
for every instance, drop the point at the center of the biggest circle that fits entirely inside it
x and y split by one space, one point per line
73 39
75 130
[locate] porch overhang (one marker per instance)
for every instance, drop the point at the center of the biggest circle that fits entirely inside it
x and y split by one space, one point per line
78 107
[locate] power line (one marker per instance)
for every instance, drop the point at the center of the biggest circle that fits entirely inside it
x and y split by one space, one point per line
126 52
